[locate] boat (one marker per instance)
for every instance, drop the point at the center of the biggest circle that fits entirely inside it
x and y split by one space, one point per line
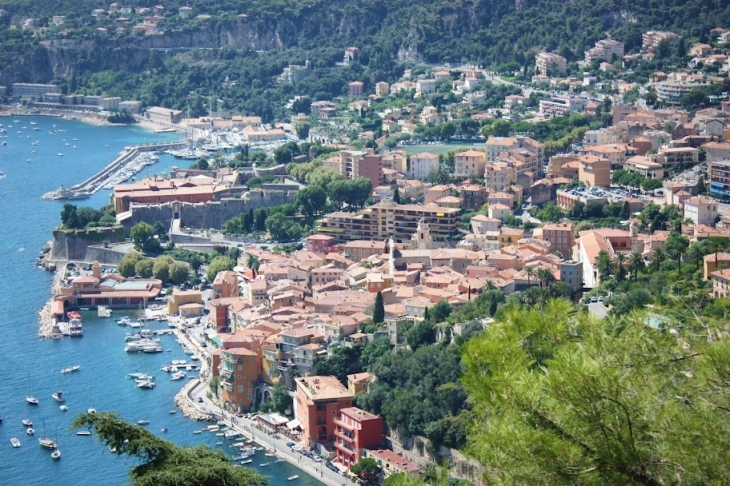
292 478
124 321
15 442
197 431
59 396
220 434
60 154
278 461
56 455
83 433
165 368
147 385
173 412
75 329
63 408
47 443
214 428
141 376
71 369
31 400
33 123
247 461
27 423
143 422
178 376
143 346
269 454
30 431
91 411
263 464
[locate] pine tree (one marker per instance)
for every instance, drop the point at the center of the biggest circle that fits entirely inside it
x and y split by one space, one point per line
396 196
378 309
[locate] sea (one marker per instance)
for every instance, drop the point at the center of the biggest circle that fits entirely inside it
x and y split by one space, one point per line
30 365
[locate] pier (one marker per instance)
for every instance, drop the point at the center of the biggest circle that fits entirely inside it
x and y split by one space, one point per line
125 162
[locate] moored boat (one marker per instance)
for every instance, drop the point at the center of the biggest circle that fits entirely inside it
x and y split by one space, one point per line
143 422
56 455
147 385
292 478
47 443
27 423
83 432
31 400
63 408
30 431
15 442
71 369
59 396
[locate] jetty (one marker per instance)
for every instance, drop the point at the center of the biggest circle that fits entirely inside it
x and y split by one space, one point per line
123 164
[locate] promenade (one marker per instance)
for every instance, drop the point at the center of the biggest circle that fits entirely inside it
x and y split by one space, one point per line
198 405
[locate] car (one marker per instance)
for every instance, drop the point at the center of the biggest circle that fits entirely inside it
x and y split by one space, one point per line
594 299
200 399
239 414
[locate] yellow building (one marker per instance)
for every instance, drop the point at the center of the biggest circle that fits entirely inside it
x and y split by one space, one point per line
359 382
183 297
510 236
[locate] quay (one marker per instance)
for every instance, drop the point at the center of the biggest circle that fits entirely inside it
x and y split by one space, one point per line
122 163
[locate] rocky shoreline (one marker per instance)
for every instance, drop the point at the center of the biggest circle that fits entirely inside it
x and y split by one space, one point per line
186 405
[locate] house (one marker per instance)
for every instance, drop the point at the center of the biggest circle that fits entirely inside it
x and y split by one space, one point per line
469 163
391 463
360 382
183 297
225 285
721 283
423 165
560 236
356 430
319 400
550 64
701 210
594 171
239 372
644 166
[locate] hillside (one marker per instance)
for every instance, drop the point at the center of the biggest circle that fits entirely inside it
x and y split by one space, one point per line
388 34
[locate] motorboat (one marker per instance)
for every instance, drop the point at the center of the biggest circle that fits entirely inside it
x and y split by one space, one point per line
197 432
124 321
30 431
31 400
178 376
15 442
263 464
83 433
59 396
56 455
141 376
91 411
143 422
247 461
27 423
173 412
71 369
60 154
147 385
63 408
165 368
292 478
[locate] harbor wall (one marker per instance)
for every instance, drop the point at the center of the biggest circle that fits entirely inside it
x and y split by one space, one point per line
210 215
72 246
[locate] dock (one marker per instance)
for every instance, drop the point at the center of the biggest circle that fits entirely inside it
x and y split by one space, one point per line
124 162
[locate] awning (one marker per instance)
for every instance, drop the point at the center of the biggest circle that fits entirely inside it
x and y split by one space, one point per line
294 424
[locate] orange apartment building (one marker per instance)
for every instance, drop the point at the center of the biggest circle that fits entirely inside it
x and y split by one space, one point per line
560 236
239 371
319 400
594 171
356 430
225 285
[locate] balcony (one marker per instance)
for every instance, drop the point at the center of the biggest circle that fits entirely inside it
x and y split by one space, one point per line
343 435
345 447
227 386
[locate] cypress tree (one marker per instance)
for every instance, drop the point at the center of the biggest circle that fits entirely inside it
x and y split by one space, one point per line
378 309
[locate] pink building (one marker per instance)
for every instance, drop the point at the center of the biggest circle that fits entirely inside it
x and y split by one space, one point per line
354 89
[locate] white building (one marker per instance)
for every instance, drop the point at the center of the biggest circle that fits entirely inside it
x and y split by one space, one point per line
701 210
422 165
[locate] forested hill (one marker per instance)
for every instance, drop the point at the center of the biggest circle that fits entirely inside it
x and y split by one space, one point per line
484 31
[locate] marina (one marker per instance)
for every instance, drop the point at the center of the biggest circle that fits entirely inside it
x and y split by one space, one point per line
96 367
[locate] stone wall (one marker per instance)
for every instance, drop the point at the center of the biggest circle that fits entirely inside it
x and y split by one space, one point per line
69 246
101 254
205 215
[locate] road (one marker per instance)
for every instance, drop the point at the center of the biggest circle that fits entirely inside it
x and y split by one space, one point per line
598 309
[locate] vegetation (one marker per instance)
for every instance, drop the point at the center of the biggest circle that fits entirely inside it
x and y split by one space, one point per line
366 469
159 462
144 238
73 217
561 398
378 309
218 264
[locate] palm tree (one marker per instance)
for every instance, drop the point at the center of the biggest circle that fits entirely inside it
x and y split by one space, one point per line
545 276
658 257
636 263
695 253
252 261
603 264
530 272
489 286
620 268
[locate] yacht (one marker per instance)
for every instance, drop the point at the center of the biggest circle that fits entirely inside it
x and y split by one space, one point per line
124 321
141 376
47 443
143 422
148 385
31 400
56 455
143 346
59 396
60 154
15 442
178 376
247 461
71 369
75 329
292 478
83 433
91 411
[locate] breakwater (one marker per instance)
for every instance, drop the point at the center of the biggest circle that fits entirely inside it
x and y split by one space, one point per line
125 164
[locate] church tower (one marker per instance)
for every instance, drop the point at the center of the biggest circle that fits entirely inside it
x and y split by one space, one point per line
422 239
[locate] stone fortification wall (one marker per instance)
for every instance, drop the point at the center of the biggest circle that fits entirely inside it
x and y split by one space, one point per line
205 215
68 245
101 254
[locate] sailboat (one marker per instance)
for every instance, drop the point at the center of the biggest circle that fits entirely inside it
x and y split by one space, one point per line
30 398
45 441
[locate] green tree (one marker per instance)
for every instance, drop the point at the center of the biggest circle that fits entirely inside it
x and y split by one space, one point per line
311 200
636 264
562 398
143 268
162 463
127 265
280 399
342 361
161 269
143 237
421 334
302 130
396 196
260 219
441 311
179 272
530 272
603 264
366 469
378 309
676 246
218 264
545 276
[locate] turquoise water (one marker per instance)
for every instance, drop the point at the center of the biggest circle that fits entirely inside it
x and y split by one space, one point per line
32 365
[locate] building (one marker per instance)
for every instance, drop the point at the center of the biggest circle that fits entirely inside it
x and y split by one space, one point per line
717 151
560 106
532 151
363 249
387 219
611 241
356 430
391 463
155 190
425 87
566 199
183 297
33 91
319 400
423 165
644 166
701 210
672 156
360 382
560 236
721 283
594 171
650 40
225 285
163 116
469 163
671 90
571 272
720 178
382 89
354 89
604 50
550 64
294 73
239 372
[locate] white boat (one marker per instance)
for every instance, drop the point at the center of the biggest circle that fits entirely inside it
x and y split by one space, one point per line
143 346
197 431
71 369
292 478
143 422
124 321
263 464
135 324
268 454
59 396
141 376
47 443
31 400
60 154
27 423
63 408
91 411
56 455
83 433
148 385
178 376
173 412
166 369
15 442
30 431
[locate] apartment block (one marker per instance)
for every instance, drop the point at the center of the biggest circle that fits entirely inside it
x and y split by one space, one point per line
239 371
670 157
560 236
560 106
469 163
701 210
594 171
389 220
720 178
319 400
356 430
499 175
650 40
549 64
33 91
604 51
423 165
496 146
